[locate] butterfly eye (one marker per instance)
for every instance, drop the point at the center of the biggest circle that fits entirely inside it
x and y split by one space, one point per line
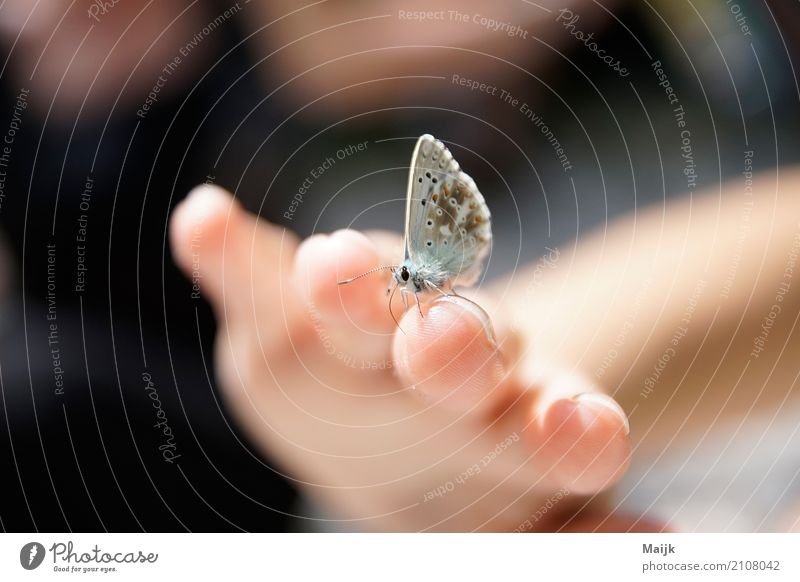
404 274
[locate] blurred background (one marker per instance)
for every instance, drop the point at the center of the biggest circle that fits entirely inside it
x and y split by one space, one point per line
111 112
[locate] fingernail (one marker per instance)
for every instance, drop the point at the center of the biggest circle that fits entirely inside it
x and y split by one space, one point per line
476 311
608 402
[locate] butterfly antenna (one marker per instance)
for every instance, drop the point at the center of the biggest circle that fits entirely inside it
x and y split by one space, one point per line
351 279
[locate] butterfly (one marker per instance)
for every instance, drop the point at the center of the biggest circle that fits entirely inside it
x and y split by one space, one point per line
448 230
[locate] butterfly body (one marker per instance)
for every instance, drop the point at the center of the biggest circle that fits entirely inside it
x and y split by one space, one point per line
419 279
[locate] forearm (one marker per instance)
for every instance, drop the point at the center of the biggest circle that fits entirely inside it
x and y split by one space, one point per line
632 307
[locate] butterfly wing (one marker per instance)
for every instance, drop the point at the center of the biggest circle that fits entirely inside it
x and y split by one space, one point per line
448 224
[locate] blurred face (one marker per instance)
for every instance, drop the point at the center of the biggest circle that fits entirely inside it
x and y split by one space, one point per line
97 52
359 45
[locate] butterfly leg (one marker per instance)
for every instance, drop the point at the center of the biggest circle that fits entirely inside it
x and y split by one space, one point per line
404 295
441 291
397 323
419 306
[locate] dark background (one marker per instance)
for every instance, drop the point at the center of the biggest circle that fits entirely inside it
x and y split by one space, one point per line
87 460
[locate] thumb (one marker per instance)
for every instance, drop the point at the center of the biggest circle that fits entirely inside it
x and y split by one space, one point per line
238 261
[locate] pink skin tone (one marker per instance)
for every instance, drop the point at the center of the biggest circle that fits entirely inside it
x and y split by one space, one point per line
371 445
373 452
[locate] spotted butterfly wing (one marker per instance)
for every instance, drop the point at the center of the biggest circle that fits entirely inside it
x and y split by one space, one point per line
448 224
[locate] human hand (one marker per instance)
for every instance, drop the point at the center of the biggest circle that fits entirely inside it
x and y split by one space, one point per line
434 426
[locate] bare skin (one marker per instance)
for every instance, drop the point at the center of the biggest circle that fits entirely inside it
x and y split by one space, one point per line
375 445
362 441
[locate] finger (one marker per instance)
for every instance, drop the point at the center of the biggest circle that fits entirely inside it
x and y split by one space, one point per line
237 261
580 436
355 314
449 356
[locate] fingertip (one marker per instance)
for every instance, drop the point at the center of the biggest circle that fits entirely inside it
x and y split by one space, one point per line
449 355
323 261
607 408
200 220
388 244
354 252
305 262
582 441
